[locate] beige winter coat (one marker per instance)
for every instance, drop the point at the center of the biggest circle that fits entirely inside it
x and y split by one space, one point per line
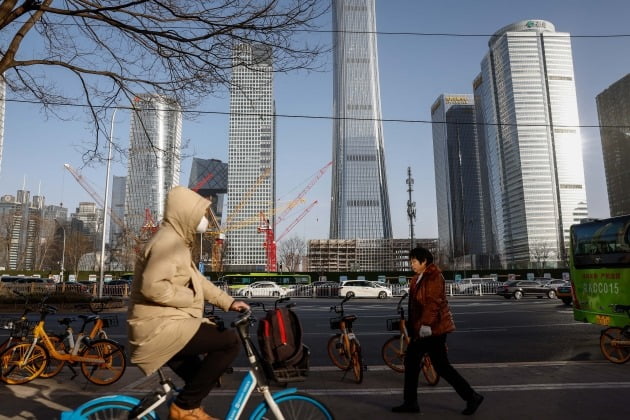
168 292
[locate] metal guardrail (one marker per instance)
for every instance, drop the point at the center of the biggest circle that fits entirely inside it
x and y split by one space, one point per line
123 290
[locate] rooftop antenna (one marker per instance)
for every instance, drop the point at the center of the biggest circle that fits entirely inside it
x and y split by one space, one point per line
411 206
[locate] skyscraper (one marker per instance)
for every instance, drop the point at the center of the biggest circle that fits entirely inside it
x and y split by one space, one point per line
154 158
2 107
119 184
359 205
209 177
251 155
460 187
531 133
613 108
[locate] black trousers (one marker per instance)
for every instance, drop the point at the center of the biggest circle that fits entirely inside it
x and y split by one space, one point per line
202 361
436 347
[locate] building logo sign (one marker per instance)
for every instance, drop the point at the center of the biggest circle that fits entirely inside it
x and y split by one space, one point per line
535 24
458 100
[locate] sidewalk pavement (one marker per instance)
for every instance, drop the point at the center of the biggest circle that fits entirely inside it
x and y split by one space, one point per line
542 390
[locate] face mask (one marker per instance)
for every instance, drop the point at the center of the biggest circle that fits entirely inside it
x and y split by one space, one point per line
203 225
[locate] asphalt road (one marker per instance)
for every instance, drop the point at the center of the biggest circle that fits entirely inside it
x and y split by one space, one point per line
529 358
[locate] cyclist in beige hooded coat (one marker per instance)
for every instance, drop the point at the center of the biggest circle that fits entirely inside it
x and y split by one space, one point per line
166 323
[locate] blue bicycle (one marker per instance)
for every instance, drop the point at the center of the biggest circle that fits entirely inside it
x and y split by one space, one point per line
287 404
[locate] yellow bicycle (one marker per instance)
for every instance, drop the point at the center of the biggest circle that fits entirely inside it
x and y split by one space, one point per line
344 348
102 361
394 349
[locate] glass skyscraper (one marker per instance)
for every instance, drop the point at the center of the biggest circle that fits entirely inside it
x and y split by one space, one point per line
527 102
154 158
251 156
613 107
459 182
359 202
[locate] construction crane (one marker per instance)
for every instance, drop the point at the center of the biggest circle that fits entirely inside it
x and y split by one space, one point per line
280 218
296 221
95 196
218 233
148 228
265 227
269 244
270 241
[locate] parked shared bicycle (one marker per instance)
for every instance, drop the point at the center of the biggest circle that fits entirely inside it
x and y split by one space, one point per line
395 348
102 361
344 348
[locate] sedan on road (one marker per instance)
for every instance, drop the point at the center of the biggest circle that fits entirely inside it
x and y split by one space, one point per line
518 289
564 294
263 289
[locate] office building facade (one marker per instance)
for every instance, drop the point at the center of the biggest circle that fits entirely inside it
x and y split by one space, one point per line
527 102
251 156
2 108
209 177
613 108
359 199
154 158
461 189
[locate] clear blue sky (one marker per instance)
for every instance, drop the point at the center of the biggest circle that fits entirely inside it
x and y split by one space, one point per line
414 71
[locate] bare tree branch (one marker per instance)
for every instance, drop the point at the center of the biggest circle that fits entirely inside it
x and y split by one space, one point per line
117 50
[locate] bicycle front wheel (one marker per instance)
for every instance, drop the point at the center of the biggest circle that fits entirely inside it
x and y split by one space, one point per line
337 353
19 367
356 360
295 407
106 408
608 343
111 369
393 353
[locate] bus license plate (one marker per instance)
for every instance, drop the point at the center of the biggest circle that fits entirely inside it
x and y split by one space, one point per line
602 320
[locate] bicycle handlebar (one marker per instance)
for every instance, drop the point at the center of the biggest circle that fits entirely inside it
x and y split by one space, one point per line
243 318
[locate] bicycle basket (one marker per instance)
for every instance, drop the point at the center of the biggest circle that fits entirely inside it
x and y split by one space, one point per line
393 324
18 327
110 321
335 323
294 373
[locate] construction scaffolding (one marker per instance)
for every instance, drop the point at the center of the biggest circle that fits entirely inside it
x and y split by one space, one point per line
346 255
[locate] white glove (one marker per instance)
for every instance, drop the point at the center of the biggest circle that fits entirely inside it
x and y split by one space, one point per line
424 331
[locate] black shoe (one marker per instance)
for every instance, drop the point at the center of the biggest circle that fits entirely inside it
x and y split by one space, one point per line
406 408
473 404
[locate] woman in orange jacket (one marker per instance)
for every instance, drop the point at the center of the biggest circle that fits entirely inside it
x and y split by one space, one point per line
430 319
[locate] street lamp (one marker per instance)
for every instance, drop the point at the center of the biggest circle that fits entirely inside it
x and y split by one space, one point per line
106 204
63 250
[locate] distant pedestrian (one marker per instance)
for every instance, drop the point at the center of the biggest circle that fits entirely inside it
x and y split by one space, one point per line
430 319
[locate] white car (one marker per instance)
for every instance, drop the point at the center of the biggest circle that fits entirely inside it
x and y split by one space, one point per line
263 289
364 288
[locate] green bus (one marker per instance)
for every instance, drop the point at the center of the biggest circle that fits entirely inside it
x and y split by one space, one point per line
236 281
600 270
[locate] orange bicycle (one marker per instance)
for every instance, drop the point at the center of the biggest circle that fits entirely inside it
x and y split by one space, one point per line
69 343
344 348
19 328
102 361
394 349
